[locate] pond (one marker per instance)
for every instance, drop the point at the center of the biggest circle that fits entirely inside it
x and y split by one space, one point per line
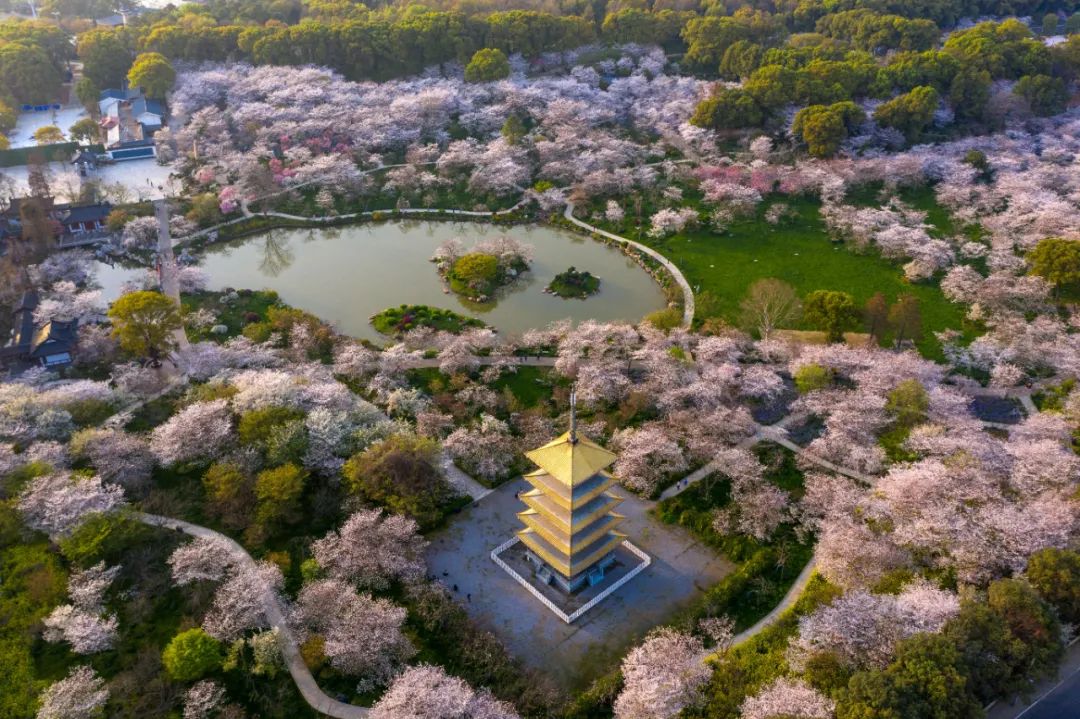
346 275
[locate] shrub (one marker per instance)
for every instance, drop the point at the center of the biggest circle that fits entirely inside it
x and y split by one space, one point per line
192 655
812 377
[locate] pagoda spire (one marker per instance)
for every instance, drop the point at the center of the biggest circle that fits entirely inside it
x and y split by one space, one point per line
573 414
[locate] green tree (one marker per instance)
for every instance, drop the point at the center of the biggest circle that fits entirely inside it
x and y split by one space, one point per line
1031 621
823 128
1072 25
476 269
145 323
514 129
258 425
771 86
8 117
991 655
1055 575
205 209
102 537
832 311
727 109
487 65
910 113
1056 260
48 135
811 377
88 93
969 95
153 73
5 144
106 54
277 494
1046 95
740 60
820 128
926 680
401 473
230 494
1050 24
908 403
191 655
905 317
27 74
630 25
85 131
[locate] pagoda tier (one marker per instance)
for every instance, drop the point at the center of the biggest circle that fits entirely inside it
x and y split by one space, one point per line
570 522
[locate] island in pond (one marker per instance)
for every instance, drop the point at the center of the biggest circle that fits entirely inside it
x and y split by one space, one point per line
574 284
395 321
480 272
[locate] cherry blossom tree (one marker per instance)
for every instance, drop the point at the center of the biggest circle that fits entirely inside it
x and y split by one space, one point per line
428 692
202 559
646 456
240 602
361 636
372 549
118 456
662 676
80 695
788 698
199 432
668 222
86 631
202 699
862 629
486 450
57 503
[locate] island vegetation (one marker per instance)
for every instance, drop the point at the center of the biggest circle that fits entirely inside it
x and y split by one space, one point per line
477 274
574 284
396 321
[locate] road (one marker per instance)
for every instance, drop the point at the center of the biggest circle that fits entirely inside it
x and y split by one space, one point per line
1058 698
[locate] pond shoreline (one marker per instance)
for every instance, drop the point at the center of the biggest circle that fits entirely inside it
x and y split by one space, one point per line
364 267
674 287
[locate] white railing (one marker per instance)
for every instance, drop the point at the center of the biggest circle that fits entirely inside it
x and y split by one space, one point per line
646 560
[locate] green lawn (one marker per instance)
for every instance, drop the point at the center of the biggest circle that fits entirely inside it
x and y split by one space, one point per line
529 385
800 253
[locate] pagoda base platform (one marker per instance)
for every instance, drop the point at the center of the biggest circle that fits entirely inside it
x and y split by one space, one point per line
569 600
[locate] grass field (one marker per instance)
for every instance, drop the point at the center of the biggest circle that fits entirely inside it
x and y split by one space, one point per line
800 253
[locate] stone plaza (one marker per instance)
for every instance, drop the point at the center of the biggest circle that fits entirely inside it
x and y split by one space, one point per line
572 654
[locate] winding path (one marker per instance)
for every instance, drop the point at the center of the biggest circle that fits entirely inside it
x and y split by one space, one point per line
676 273
274 609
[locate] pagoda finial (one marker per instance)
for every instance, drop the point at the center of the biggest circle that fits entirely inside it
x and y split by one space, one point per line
573 415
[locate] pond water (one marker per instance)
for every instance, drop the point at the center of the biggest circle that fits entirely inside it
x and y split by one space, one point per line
346 275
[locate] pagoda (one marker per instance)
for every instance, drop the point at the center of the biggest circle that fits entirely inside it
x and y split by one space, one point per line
570 526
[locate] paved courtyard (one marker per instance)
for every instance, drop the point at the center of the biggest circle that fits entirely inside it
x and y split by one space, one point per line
141 180
572 654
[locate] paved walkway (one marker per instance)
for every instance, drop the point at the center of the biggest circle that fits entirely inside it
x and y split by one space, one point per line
275 616
688 293
462 481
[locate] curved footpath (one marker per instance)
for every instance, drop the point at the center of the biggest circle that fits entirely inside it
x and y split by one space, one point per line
274 610
673 270
688 293
274 607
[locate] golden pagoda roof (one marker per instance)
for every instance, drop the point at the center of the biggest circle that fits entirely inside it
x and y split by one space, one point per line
571 458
